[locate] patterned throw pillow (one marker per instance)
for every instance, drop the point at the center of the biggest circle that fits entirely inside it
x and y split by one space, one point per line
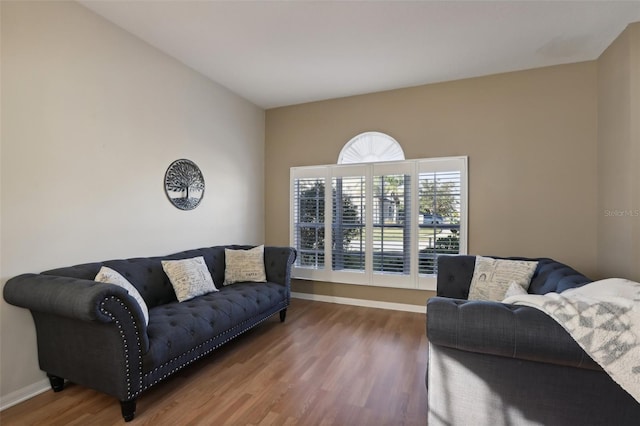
189 277
244 265
111 276
492 277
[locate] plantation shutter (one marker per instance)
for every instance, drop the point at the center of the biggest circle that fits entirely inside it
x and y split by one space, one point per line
382 224
391 227
440 213
308 214
348 223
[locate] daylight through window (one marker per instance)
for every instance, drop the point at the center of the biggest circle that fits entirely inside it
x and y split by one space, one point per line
381 224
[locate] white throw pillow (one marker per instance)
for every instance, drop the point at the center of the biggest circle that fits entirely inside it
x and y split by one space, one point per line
111 276
189 277
514 289
244 265
492 277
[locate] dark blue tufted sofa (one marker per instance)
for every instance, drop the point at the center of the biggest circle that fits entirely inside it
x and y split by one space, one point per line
496 364
94 334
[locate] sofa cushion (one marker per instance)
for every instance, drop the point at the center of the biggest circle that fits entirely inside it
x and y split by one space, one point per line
244 265
492 277
189 277
176 328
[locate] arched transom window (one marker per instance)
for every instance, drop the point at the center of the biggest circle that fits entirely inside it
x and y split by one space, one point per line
371 147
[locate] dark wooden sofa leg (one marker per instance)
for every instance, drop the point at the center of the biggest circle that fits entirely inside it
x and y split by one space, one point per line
57 383
128 409
283 315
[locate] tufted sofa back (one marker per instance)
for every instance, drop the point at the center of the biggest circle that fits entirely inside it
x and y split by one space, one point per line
455 274
146 273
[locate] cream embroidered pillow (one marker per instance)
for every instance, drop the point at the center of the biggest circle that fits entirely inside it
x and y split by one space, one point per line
492 277
244 265
111 276
189 277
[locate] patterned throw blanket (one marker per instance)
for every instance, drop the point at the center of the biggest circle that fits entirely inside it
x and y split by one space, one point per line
604 318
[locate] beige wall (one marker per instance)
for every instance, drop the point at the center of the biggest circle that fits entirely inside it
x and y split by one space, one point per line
91 118
531 141
619 157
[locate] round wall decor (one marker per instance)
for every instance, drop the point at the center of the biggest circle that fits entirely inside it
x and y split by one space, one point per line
184 184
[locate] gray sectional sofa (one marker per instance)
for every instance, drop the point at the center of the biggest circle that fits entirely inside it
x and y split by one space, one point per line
496 364
94 334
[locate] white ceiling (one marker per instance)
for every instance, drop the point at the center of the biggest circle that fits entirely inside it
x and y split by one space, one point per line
277 53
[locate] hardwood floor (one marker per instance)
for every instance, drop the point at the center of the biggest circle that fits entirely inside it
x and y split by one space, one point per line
327 364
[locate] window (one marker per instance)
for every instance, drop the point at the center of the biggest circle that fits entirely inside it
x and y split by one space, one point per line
348 223
391 236
440 212
381 224
371 147
309 233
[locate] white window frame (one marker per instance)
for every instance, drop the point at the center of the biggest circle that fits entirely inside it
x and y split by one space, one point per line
413 168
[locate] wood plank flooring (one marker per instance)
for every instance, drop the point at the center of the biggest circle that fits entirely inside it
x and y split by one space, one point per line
327 364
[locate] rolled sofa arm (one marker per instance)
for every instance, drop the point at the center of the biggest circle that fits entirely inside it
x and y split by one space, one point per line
505 330
64 296
70 298
89 333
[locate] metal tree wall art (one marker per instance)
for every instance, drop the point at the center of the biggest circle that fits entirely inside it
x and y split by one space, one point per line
184 184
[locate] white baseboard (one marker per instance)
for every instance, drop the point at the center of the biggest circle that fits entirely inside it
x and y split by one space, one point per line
361 302
23 394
